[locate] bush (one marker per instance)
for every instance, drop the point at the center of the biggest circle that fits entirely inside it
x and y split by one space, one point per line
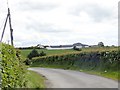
27 61
101 44
33 53
42 54
13 69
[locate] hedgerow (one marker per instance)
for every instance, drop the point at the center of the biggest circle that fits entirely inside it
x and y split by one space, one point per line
12 68
104 60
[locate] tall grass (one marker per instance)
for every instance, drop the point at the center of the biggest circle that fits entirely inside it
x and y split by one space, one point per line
34 80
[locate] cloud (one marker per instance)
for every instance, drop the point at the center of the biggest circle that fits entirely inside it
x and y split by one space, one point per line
44 28
95 11
32 5
62 21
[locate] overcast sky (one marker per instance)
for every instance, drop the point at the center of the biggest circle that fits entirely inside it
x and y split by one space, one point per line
55 22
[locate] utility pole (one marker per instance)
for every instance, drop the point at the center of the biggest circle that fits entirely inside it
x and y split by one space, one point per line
10 25
11 30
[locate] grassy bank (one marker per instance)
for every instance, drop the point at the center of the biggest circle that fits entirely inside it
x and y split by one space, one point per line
35 80
111 74
107 74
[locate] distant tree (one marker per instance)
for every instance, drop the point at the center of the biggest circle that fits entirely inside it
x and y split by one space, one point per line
113 45
101 44
33 53
42 54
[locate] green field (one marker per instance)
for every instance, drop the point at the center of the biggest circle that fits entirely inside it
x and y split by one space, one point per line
25 52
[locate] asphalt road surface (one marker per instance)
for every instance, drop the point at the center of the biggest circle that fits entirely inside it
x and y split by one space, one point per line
59 78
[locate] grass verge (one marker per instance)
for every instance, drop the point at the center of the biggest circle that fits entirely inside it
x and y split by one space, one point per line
35 80
110 75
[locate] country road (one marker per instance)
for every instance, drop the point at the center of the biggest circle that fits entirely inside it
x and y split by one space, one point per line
59 78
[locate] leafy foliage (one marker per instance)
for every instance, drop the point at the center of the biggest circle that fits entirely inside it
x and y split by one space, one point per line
12 68
33 53
27 61
100 44
42 54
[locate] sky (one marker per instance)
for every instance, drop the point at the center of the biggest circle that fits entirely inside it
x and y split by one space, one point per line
60 22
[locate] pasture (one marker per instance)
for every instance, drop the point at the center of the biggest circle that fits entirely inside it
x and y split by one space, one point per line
25 52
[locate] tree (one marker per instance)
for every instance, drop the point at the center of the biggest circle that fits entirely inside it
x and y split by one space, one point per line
42 53
100 44
33 53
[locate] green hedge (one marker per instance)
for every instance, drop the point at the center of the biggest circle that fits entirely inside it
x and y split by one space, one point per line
12 68
105 60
